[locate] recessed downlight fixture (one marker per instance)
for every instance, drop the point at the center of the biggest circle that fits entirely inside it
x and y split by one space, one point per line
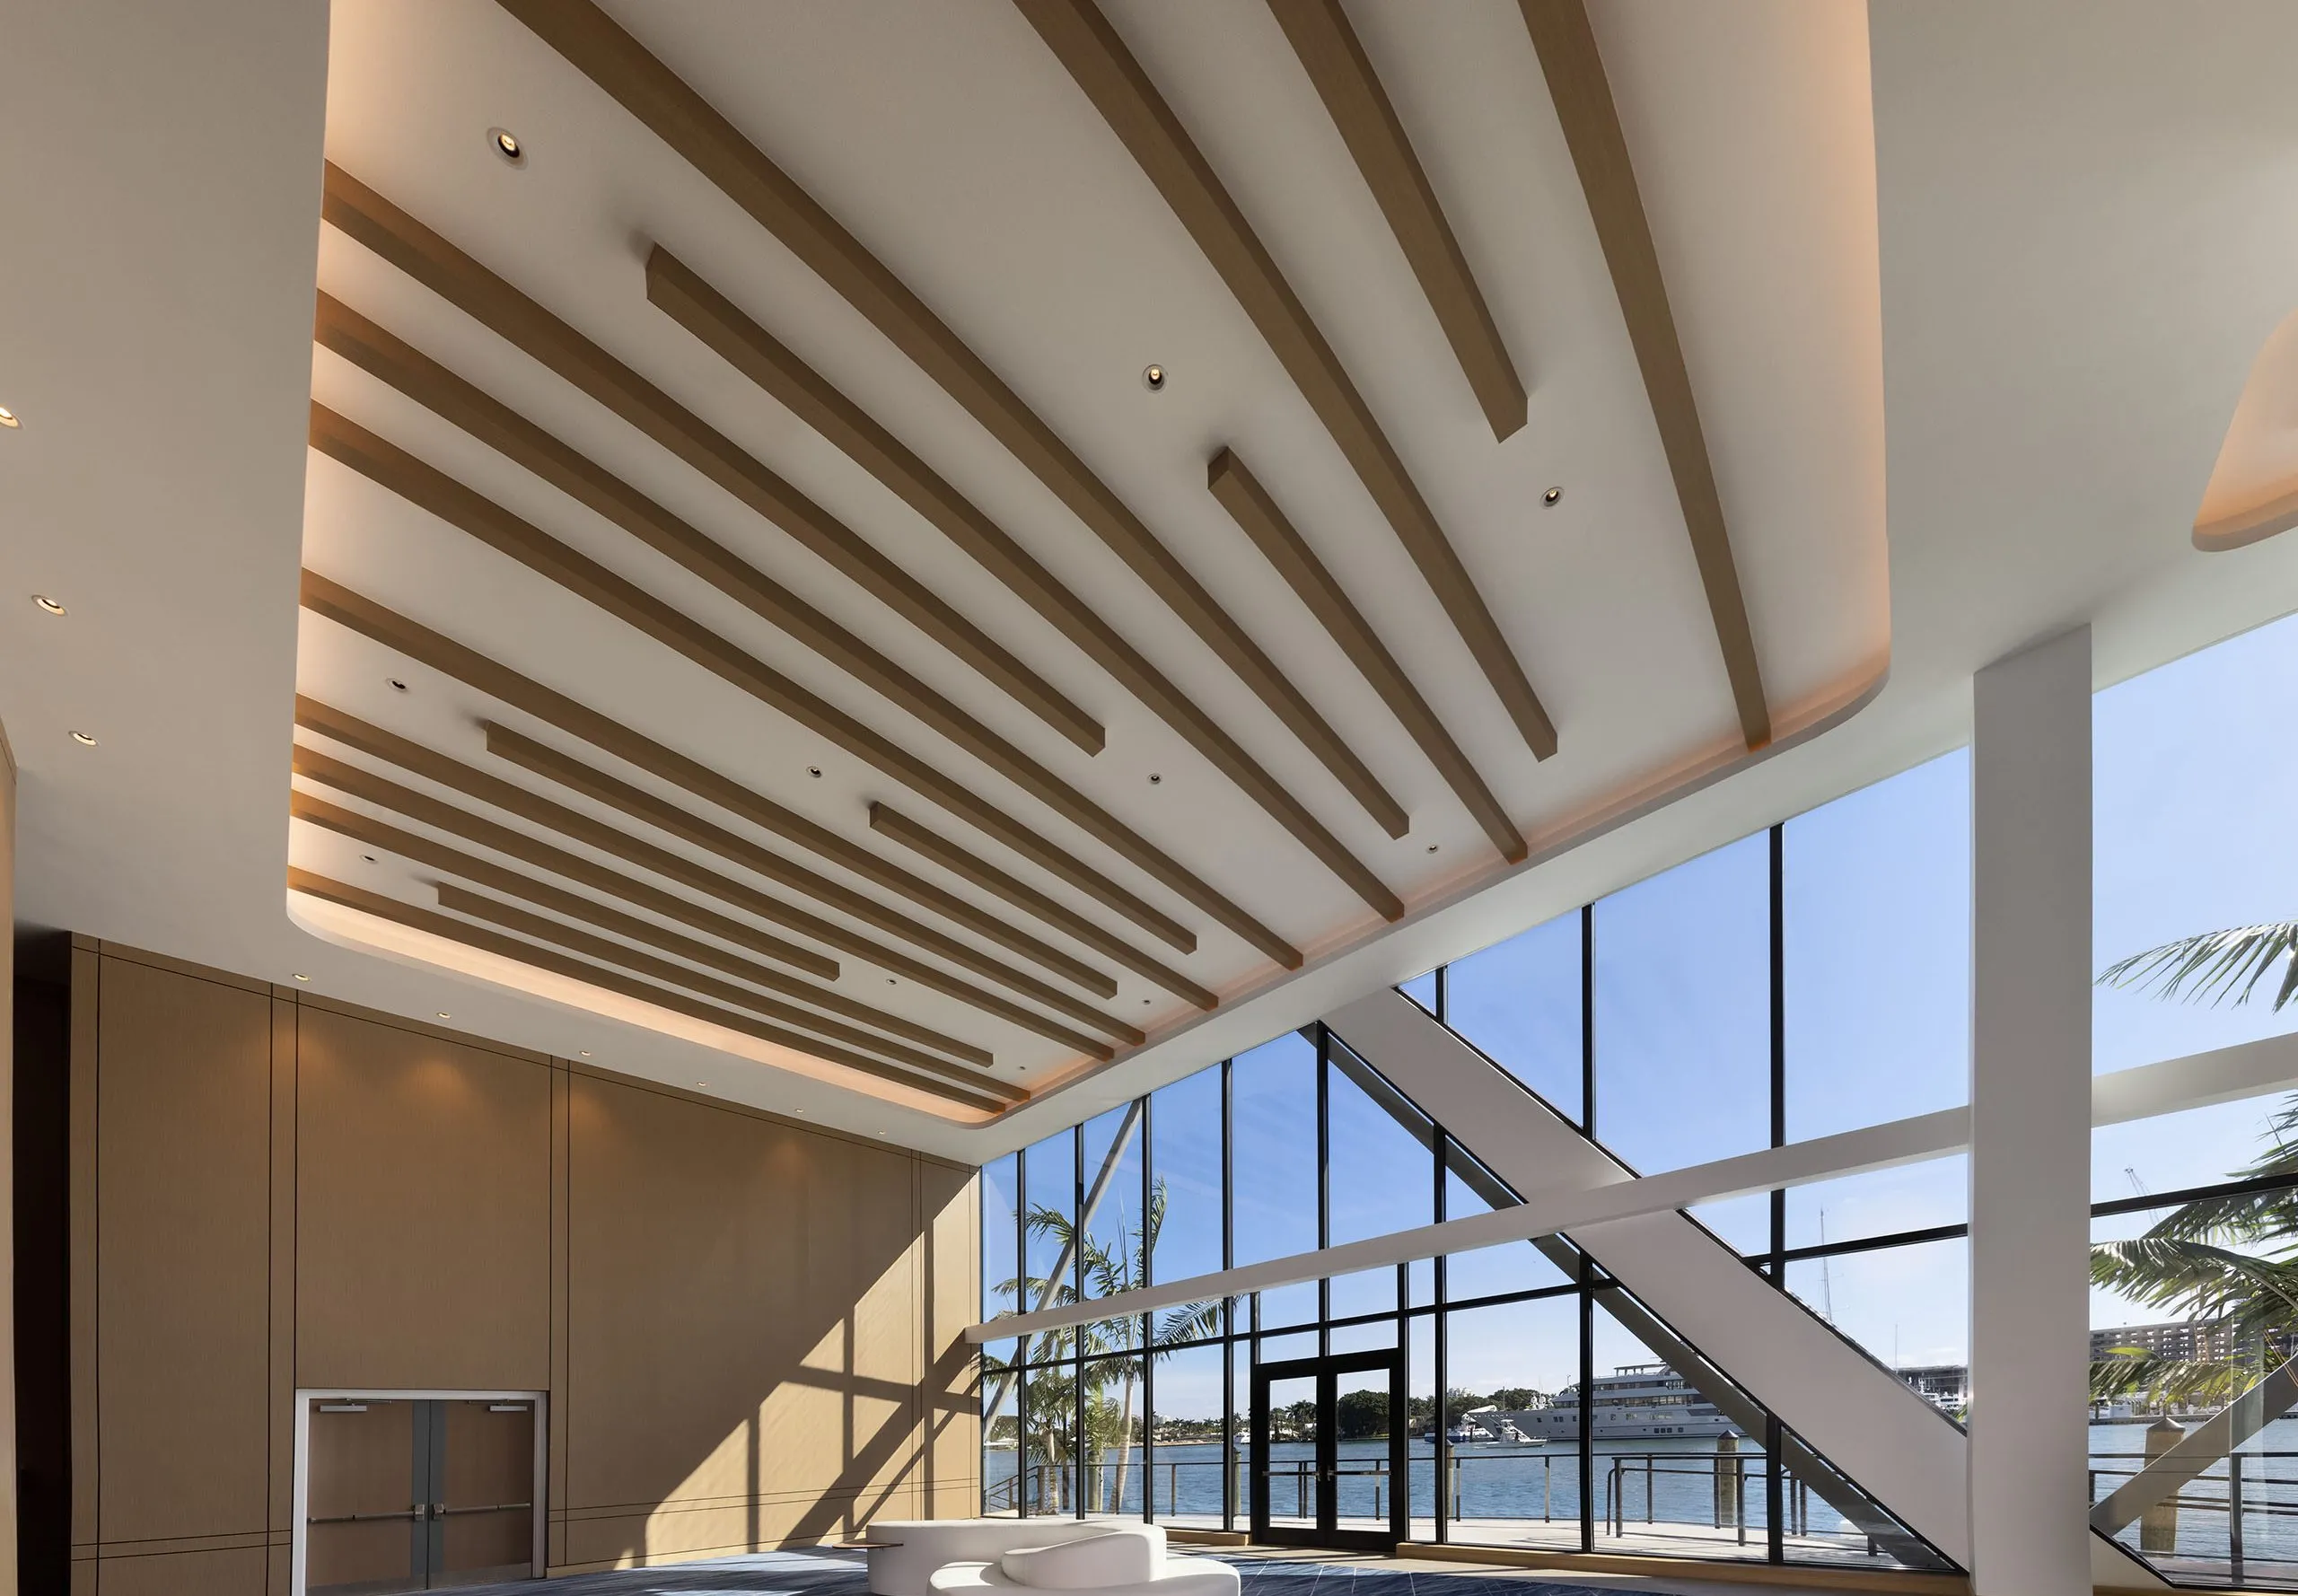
8 418
444 1015
507 145
301 976
1153 377
370 858
48 604
396 685
815 771
1551 496
83 739
1433 846
587 1052
1154 779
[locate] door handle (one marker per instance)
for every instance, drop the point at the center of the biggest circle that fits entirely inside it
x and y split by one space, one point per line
422 1511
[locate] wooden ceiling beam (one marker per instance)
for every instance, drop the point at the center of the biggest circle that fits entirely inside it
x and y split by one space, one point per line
598 47
1583 93
478 937
369 832
759 356
359 213
422 485
1250 505
479 906
384 793
1083 40
892 824
1337 64
415 375
672 820
433 491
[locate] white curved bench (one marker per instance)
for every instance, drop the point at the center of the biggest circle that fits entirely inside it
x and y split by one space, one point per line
908 1551
1173 1576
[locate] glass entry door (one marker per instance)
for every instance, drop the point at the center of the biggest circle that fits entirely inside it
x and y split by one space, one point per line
1329 1452
417 1492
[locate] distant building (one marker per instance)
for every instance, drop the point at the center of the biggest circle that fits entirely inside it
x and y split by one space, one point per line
1945 1386
2185 1341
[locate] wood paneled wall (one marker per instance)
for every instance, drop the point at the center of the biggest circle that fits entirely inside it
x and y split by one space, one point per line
749 1329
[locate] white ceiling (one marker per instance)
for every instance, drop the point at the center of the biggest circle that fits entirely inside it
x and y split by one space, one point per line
2025 287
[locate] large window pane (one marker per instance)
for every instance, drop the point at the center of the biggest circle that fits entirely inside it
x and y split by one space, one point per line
1273 1089
1001 1201
1111 1237
1185 1477
1518 1001
1683 1005
2194 766
1112 1451
1514 1373
1049 1435
1876 928
1049 1180
1185 1127
1383 1176
2194 1147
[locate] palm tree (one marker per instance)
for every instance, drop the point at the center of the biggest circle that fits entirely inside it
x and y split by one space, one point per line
1107 1266
2231 1259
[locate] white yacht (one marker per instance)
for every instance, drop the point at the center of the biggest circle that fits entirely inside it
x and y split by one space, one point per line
1635 1402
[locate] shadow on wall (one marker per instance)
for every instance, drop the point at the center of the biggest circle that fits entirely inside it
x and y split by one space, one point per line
764 1332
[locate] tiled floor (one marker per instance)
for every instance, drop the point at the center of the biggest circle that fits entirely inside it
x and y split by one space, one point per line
835 1574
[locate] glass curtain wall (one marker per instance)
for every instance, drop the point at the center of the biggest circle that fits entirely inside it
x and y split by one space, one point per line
1811 979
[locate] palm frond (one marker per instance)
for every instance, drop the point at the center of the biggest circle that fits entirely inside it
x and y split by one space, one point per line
2210 966
2254 1295
2166 1382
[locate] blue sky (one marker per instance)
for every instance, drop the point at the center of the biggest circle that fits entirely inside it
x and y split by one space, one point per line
2195 818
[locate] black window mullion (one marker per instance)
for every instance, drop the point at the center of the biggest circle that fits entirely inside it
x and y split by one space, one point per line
1439 1417
1588 1019
1229 1309
1077 1471
1324 1184
1775 1482
1148 1323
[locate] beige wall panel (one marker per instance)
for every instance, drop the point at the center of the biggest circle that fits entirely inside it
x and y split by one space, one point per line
183 1261
715 1350
238 1572
950 1396
281 1177
423 1234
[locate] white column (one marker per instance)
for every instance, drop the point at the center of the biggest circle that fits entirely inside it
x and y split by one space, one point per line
2030 1122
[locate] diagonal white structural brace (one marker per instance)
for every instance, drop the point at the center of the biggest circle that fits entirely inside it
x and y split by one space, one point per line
2225 1075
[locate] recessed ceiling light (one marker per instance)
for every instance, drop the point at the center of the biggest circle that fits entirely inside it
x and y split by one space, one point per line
8 418
48 604
507 145
1153 377
587 1052
1154 778
301 976
815 771
1433 846
83 739
1551 496
444 1015
370 858
702 1083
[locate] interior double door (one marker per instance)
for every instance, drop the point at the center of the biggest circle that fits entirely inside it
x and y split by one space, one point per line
1329 1464
416 1493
